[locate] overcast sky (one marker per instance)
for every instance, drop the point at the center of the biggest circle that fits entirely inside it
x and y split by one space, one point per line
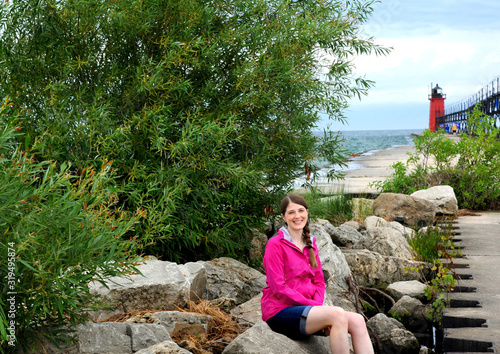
451 43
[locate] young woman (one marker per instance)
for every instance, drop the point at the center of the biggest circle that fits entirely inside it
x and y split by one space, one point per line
292 301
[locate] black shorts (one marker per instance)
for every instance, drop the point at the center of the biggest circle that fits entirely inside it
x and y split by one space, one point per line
291 322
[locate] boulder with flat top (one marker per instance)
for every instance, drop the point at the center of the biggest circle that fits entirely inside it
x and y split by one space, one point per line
414 211
442 196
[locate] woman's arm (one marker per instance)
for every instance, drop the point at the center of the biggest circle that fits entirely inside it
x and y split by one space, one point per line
274 267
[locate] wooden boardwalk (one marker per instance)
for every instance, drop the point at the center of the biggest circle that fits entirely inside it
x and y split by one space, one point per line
472 323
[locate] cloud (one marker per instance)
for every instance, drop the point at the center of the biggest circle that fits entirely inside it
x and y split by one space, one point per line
442 42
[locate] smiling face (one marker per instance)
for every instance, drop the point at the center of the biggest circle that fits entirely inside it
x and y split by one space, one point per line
295 216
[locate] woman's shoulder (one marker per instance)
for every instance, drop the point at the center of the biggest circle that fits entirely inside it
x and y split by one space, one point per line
276 238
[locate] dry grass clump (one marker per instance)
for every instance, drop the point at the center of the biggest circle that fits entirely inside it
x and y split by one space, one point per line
223 327
123 317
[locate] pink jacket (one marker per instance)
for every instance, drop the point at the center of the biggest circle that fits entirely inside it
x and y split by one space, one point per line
291 281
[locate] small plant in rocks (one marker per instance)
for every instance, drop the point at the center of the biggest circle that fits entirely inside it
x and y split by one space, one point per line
432 245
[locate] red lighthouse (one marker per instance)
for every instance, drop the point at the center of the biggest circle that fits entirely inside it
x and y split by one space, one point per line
437 106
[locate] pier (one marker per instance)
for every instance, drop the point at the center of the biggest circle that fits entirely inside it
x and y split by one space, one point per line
457 113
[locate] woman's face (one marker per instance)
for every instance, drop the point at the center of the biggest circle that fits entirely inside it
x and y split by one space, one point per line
295 216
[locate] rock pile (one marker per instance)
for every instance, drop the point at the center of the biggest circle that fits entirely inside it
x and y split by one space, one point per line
375 254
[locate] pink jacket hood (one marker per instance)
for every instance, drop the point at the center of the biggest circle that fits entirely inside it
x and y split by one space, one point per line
291 281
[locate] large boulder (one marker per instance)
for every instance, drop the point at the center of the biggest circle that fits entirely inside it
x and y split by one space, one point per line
414 210
413 288
227 277
442 196
161 285
333 261
109 338
375 221
248 313
372 269
260 336
346 236
394 336
387 241
410 309
407 232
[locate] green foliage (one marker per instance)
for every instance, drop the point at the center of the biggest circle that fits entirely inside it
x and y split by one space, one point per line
206 108
431 246
58 232
477 174
336 208
433 152
470 165
401 180
436 290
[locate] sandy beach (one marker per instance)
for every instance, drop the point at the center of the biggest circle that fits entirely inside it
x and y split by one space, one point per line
369 167
374 166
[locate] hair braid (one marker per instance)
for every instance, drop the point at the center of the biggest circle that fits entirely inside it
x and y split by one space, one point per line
307 240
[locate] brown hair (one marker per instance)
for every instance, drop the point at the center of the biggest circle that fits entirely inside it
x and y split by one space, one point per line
297 199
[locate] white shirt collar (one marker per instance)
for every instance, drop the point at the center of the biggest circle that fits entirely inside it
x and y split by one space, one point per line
287 236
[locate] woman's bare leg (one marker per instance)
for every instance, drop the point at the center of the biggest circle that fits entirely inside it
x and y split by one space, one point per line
341 323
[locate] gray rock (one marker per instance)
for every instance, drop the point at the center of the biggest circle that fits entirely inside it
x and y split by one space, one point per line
412 288
405 231
414 210
166 347
196 277
162 285
109 338
146 335
354 224
371 269
409 308
105 337
332 258
336 297
226 277
248 313
173 320
260 337
388 242
346 236
393 335
442 196
375 221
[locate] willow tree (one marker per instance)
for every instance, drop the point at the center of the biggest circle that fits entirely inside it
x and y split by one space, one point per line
207 108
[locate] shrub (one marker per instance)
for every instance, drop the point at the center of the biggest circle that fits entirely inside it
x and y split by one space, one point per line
58 232
207 108
477 174
471 166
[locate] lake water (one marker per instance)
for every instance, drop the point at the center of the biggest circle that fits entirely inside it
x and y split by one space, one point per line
365 142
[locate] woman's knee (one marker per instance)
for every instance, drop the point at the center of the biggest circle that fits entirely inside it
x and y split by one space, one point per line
337 316
356 322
